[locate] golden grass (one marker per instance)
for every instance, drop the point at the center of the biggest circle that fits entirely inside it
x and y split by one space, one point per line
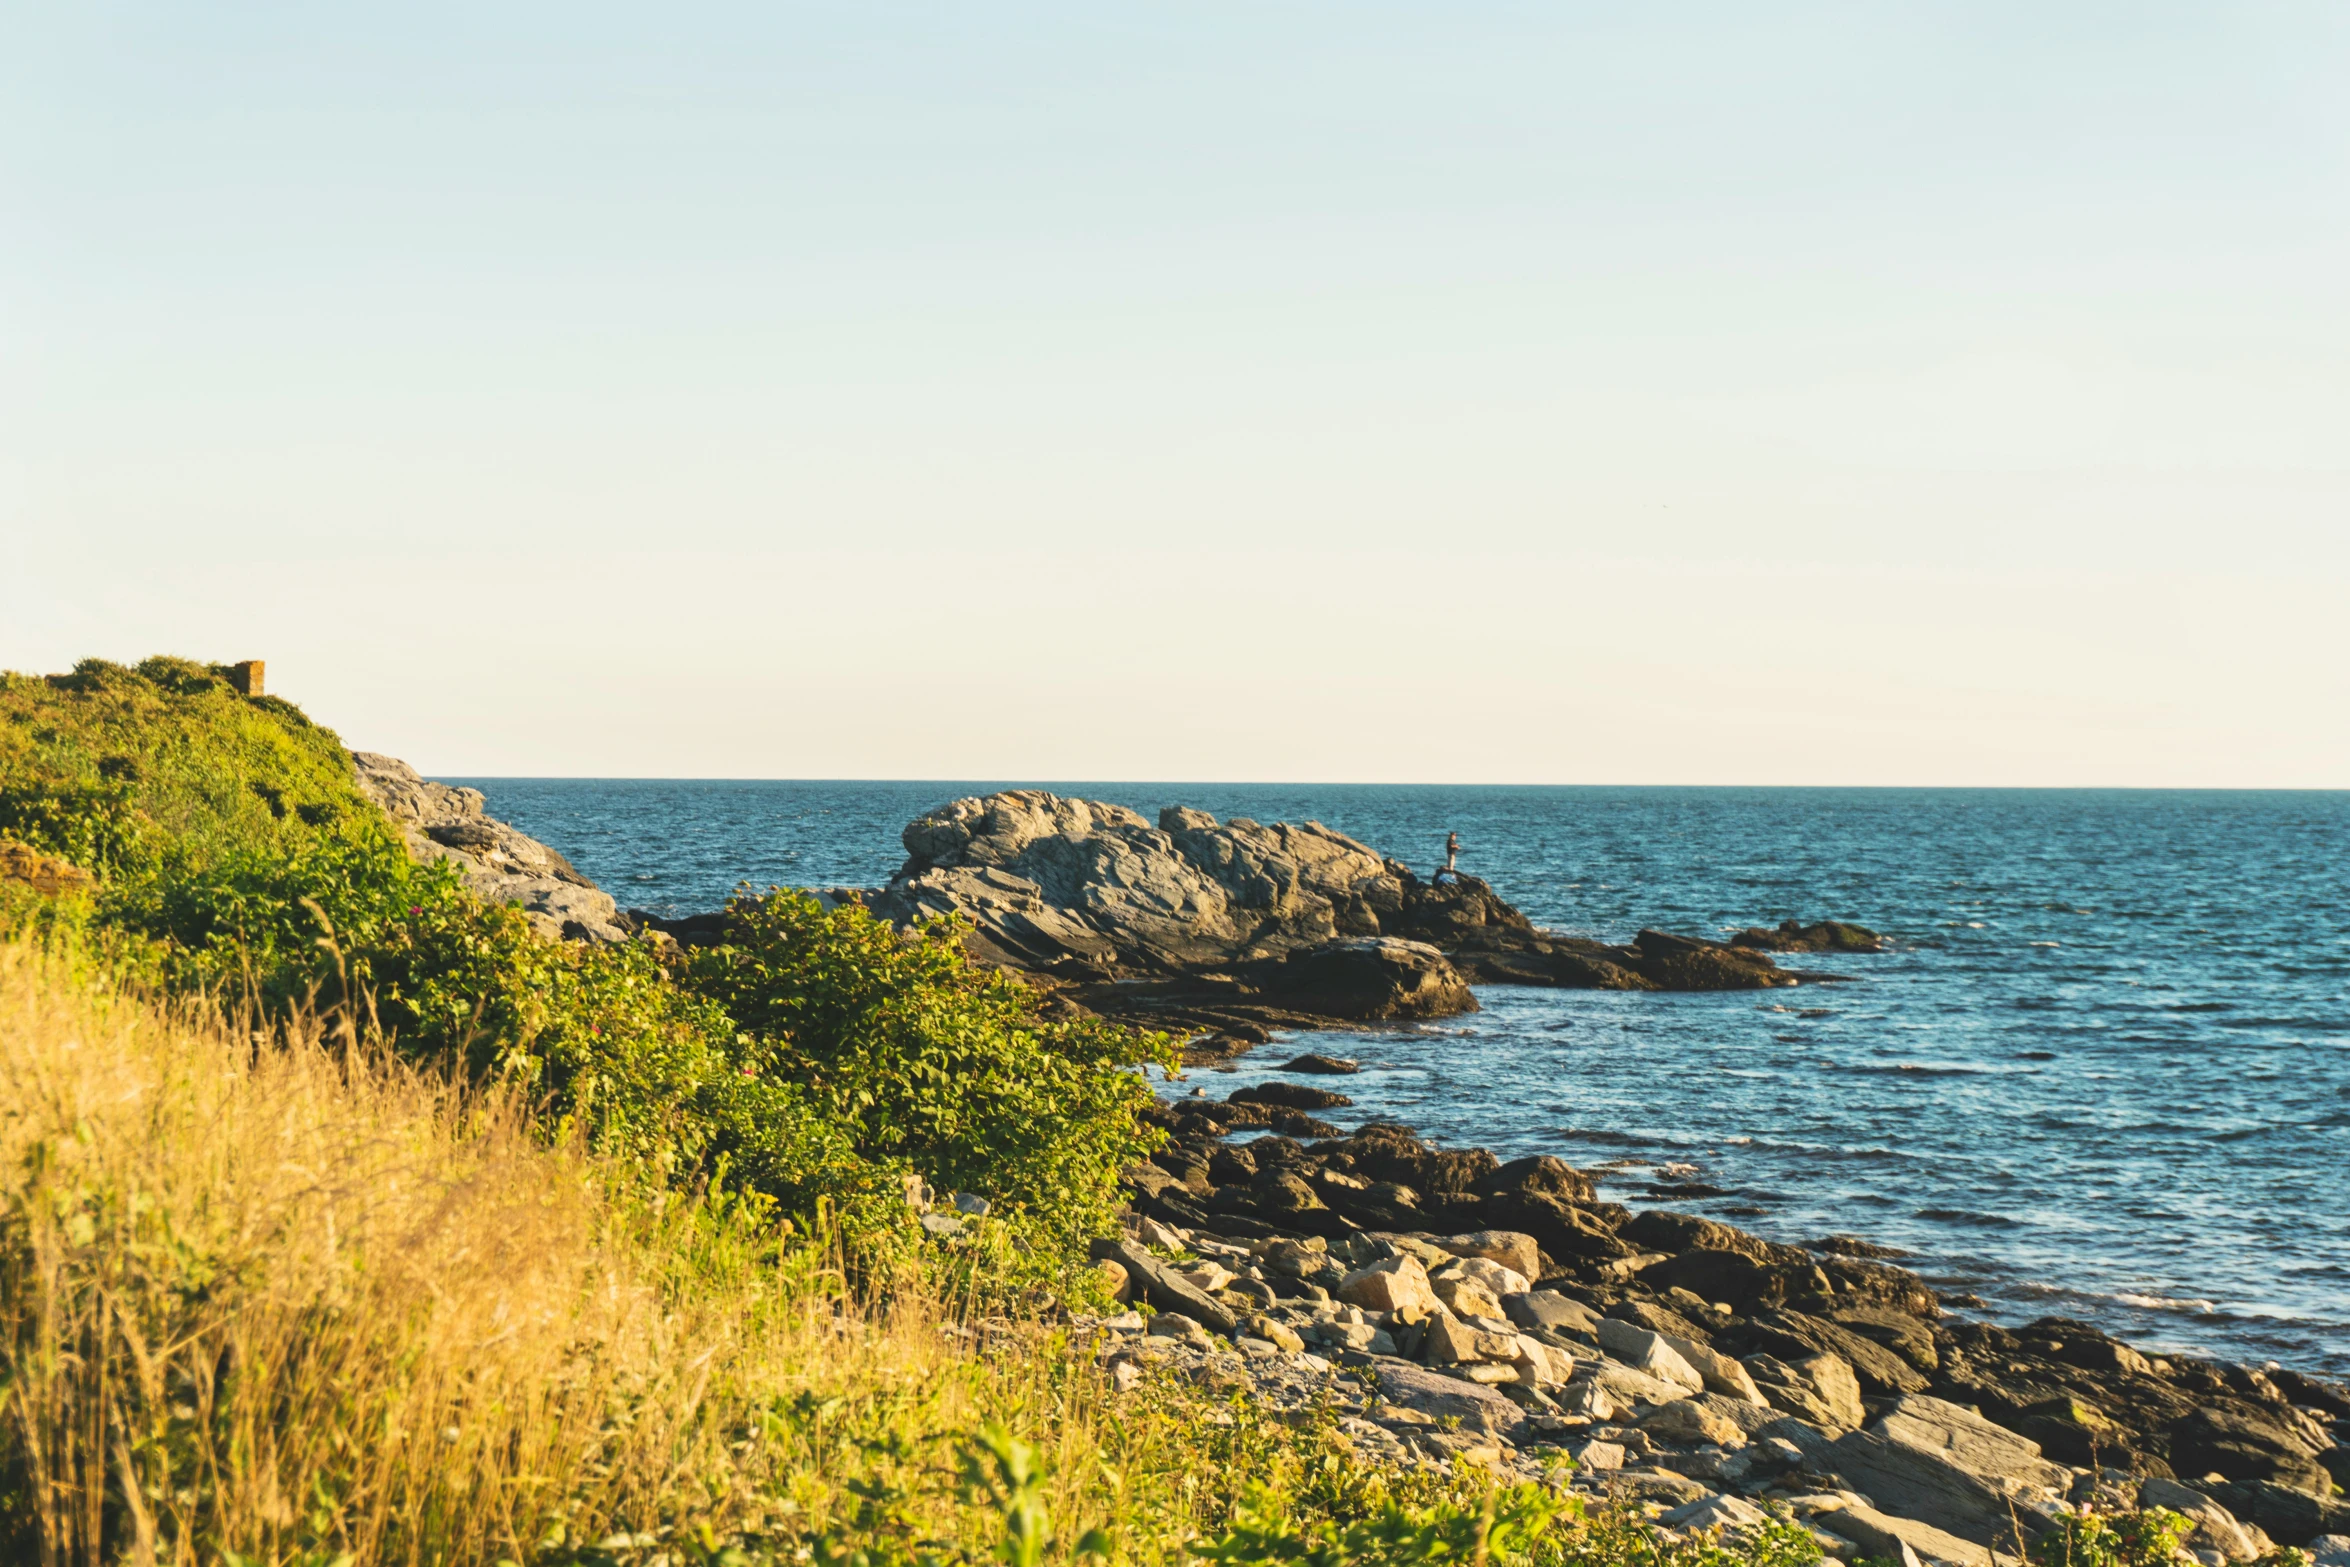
276 1298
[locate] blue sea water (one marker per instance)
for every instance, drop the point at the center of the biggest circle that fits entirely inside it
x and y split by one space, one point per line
2104 1073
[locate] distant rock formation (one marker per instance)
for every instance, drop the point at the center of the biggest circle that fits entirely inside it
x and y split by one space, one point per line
497 862
1237 926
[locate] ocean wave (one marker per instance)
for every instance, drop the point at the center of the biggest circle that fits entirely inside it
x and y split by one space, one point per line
1607 1139
1866 1154
1923 1069
1968 1217
2166 1305
2201 1308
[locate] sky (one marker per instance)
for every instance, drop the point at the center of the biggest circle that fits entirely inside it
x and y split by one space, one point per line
1705 393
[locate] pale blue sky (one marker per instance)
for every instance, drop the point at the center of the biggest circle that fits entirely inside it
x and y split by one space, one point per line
1758 393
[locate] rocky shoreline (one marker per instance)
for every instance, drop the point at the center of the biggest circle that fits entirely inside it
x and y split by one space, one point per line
1689 1364
1443 1302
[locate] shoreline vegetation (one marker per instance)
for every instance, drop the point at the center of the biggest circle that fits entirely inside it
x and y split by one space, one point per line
378 1191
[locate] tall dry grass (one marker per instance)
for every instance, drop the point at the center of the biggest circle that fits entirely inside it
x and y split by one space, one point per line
272 1297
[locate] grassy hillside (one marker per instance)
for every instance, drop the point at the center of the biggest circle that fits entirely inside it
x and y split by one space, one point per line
304 1306
127 771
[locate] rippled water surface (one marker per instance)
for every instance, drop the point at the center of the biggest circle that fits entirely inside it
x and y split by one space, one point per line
2104 1073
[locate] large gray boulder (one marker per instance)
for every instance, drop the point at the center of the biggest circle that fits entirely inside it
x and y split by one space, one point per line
1082 887
496 861
1164 1288
1949 1467
1905 1540
1088 891
1432 1393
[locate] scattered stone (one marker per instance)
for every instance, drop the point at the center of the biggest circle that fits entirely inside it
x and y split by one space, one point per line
1904 1539
1544 1308
1659 1485
1278 1334
1584 1396
1161 1286
1511 1250
1296 1096
1395 1284
1598 1455
1434 1394
1333 1066
2216 1529
1207 1277
1648 1352
1466 1297
1690 1422
1718 1371
1820 1388
1174 1324
1628 1387
1730 1515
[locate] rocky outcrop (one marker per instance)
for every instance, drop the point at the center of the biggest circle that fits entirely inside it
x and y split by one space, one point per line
1231 928
1085 889
496 861
1702 1359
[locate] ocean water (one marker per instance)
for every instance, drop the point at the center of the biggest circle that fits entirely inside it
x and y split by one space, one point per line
2104 1073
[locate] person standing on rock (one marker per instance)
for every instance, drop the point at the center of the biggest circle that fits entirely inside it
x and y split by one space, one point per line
1452 856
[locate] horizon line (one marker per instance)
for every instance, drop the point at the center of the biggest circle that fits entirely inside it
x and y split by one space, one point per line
998 784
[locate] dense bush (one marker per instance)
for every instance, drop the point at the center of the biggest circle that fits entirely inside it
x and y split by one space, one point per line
930 1064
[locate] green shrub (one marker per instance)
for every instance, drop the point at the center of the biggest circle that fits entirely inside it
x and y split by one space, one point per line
930 1064
2135 1539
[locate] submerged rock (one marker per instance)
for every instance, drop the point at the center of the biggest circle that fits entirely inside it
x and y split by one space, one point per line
1824 936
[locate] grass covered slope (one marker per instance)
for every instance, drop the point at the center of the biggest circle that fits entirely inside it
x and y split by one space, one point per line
302 1304
127 771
